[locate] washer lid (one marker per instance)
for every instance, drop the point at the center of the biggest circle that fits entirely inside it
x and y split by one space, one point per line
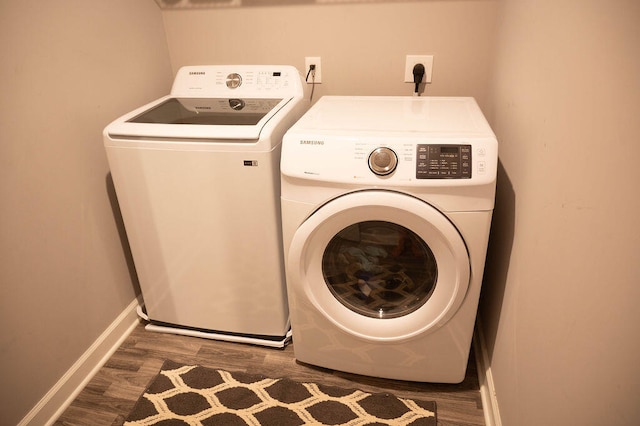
199 118
211 112
214 103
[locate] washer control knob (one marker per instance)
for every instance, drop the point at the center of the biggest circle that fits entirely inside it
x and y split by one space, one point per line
236 104
234 80
383 161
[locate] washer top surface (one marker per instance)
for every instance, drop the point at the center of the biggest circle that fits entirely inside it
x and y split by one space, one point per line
215 102
375 114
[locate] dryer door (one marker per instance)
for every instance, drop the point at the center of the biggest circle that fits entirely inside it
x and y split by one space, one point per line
380 265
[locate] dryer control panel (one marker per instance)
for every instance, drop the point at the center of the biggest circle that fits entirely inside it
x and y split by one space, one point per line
443 161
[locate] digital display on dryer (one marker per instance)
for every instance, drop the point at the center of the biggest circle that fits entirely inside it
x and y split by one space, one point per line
443 161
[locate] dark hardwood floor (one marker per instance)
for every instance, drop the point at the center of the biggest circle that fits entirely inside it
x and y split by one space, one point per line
112 392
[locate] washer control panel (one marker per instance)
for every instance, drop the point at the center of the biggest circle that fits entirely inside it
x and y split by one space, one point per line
237 81
443 161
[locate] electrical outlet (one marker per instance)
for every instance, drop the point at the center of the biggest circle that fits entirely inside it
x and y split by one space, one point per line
313 60
413 60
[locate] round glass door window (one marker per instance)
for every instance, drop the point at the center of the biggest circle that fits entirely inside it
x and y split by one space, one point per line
379 269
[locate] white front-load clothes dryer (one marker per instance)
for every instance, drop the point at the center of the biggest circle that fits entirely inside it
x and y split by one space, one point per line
386 209
197 177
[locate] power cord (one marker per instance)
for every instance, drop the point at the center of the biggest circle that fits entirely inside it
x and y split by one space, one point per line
418 75
312 72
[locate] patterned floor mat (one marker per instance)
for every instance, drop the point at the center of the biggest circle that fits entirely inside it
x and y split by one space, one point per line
195 395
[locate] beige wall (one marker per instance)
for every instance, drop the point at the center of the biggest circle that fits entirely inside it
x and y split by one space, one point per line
362 44
559 86
68 68
560 306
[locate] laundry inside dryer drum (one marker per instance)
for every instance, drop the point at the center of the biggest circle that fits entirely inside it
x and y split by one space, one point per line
379 269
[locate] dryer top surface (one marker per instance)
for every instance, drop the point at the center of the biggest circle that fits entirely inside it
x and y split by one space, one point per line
378 114
440 149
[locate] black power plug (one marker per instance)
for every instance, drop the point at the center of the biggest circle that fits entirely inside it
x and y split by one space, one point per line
418 75
312 71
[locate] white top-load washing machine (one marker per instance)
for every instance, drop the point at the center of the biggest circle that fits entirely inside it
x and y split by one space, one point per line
386 209
197 178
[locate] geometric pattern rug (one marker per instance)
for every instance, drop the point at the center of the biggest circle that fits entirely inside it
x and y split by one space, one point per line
195 395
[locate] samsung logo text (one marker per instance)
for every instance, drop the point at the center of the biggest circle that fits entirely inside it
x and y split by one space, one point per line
303 142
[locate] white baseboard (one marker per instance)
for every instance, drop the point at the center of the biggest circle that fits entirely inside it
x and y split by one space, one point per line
60 396
485 377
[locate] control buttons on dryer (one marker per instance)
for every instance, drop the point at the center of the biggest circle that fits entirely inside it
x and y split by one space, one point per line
383 161
234 80
443 161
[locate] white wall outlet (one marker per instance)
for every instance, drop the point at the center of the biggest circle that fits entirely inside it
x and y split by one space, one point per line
313 60
412 60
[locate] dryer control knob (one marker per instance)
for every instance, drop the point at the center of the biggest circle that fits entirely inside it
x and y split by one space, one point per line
383 161
234 80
